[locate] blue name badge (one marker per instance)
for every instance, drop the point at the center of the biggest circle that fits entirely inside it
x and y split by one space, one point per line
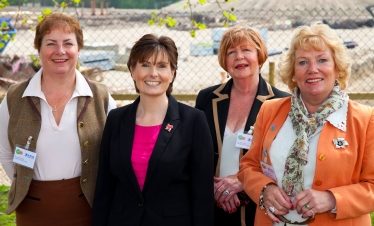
243 141
24 157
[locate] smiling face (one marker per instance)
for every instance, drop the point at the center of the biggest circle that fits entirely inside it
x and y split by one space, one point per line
242 61
152 77
315 73
59 53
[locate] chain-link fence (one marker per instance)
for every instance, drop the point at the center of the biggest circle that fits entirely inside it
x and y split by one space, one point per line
109 37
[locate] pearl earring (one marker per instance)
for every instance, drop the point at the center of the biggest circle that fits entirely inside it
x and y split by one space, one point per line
293 79
227 76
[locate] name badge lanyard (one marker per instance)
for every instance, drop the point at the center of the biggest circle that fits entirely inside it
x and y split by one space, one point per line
244 140
25 156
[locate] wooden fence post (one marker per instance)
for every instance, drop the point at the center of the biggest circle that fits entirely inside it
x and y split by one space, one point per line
271 73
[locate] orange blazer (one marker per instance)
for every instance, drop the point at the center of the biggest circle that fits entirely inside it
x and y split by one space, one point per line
347 172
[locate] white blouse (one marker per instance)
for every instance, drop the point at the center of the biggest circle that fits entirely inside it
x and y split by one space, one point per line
229 154
58 149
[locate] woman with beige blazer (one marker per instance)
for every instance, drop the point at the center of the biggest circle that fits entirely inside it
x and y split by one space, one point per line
311 160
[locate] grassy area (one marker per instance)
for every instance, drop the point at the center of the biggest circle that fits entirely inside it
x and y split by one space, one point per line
5 220
10 220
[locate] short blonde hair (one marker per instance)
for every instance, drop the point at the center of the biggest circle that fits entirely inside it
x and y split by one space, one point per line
240 34
316 36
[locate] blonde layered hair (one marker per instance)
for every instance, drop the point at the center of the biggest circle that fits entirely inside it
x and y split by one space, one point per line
316 36
238 35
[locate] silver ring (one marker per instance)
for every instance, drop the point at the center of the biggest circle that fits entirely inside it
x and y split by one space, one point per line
312 213
271 209
226 192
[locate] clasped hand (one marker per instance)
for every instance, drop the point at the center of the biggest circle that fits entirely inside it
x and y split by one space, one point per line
307 203
225 192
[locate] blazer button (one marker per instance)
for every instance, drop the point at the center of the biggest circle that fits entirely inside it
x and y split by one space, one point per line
80 124
318 183
322 157
84 180
85 162
86 143
140 203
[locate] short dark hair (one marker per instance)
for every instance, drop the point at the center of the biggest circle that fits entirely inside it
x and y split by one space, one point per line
58 20
150 45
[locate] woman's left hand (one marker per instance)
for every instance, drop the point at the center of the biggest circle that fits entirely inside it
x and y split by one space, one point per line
232 185
310 202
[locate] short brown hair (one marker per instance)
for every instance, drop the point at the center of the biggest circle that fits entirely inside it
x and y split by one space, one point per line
316 36
240 34
147 46
57 20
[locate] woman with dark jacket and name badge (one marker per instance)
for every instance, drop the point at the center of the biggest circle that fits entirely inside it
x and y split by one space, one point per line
312 157
231 109
156 155
50 133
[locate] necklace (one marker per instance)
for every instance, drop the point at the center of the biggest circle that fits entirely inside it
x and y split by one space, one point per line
54 108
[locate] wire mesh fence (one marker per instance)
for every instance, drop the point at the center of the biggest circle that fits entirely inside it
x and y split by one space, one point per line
109 38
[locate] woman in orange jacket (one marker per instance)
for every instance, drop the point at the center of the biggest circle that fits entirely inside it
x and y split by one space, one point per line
312 156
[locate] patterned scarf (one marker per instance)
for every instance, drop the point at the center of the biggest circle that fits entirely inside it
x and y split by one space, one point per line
305 125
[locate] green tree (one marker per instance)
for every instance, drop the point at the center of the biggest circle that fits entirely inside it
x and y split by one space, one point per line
160 19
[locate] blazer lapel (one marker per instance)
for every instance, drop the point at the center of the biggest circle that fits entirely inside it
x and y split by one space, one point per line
264 92
220 106
169 126
127 129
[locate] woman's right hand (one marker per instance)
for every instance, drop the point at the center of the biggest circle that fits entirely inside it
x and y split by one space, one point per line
275 197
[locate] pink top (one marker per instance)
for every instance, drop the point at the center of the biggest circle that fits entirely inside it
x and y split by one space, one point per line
144 141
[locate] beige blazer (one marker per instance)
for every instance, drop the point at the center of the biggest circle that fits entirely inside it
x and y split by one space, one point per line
347 172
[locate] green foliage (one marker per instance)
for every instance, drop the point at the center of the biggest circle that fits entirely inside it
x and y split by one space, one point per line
61 6
45 13
24 20
3 4
5 27
64 4
6 220
193 33
35 61
160 21
372 219
228 17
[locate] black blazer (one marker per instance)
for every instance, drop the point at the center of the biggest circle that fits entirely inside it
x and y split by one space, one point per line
178 188
215 102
